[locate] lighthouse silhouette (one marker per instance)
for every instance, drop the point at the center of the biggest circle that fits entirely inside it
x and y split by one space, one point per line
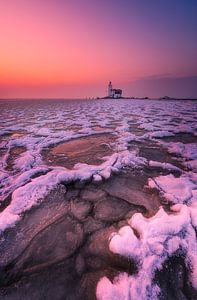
113 93
110 90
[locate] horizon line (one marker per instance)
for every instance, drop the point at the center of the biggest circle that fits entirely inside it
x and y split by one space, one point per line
100 98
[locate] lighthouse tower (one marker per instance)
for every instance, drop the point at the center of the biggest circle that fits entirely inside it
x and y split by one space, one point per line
110 89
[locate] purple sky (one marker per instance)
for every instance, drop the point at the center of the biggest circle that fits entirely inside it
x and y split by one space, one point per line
56 48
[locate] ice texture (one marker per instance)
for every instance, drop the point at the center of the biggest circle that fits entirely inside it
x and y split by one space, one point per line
30 194
157 239
26 178
38 126
176 189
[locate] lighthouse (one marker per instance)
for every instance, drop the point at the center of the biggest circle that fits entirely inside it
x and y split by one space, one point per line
114 93
110 90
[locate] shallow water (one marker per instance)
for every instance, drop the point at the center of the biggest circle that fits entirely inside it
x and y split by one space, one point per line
89 150
73 172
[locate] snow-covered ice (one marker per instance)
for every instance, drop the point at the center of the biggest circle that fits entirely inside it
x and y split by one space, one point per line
159 238
27 178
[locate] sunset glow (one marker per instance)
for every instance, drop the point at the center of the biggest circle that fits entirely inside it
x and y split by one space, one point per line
47 47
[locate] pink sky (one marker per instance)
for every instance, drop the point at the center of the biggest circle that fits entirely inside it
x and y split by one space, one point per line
73 48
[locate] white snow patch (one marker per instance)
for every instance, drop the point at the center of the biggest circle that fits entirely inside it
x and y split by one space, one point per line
187 151
191 165
175 190
159 238
160 134
25 161
165 166
30 194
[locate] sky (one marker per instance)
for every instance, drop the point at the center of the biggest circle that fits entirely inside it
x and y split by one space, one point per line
65 49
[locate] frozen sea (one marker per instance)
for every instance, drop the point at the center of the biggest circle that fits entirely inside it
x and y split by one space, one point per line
98 199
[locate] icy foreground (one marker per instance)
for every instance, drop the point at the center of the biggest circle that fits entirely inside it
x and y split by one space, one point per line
105 197
25 197
150 242
159 238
